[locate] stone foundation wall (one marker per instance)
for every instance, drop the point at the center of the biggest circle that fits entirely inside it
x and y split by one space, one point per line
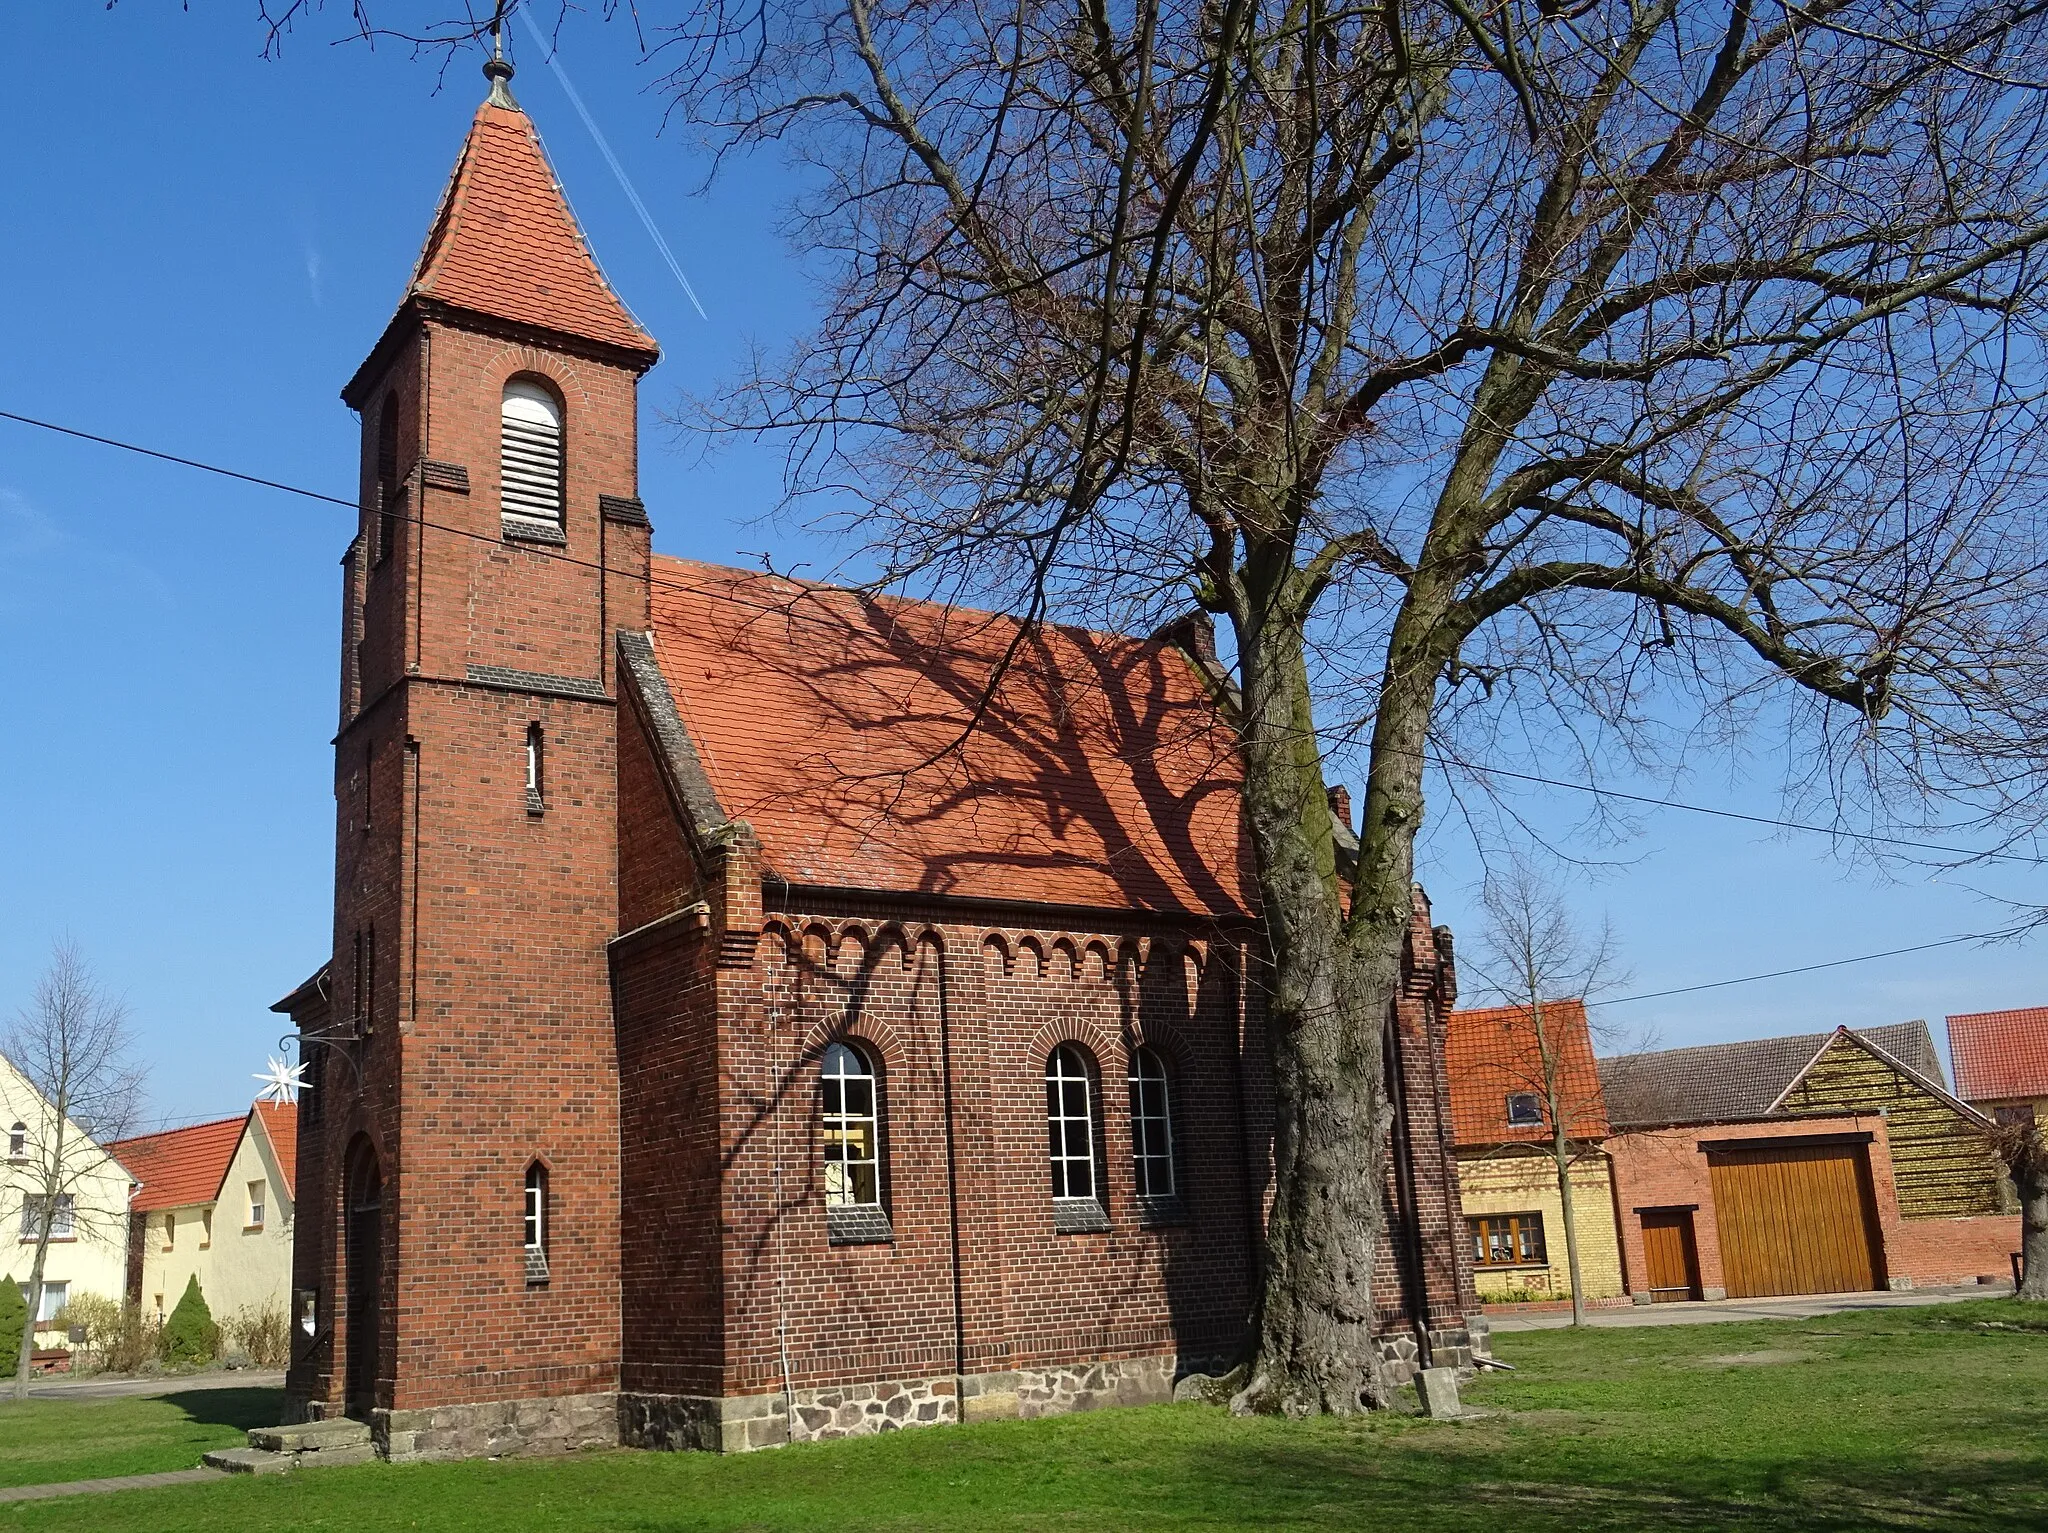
497 1428
1450 1346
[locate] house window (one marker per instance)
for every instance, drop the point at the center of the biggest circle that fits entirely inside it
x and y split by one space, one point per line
256 1192
1069 1124
17 1142
170 1232
54 1295
32 1207
530 461
852 1130
1525 1110
1151 1126
205 1228
2021 1113
1507 1240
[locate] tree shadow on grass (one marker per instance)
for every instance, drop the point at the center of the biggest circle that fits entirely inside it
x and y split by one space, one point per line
1354 1484
238 1408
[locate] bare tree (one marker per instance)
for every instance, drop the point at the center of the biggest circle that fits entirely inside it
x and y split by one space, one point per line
1517 378
71 1043
1536 957
2022 1148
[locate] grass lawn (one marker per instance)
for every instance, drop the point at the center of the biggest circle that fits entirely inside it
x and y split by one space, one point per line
45 1440
1895 1419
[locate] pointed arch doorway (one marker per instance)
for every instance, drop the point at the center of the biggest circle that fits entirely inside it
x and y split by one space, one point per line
364 1238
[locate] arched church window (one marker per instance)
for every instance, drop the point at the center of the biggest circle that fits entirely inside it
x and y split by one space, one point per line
536 1223
1070 1123
1151 1126
530 453
852 1125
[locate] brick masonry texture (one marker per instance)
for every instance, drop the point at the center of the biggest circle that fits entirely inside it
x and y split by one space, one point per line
613 981
1667 1168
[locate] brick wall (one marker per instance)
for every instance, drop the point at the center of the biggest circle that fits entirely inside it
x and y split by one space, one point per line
1516 1180
1667 1168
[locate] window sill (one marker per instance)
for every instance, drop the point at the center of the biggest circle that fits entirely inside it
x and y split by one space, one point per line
1479 1267
252 1229
1079 1216
55 1240
536 1267
535 804
858 1225
518 529
1159 1213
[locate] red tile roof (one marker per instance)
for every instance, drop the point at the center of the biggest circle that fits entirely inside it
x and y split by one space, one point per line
1491 1053
282 1125
2000 1054
181 1166
1101 775
504 242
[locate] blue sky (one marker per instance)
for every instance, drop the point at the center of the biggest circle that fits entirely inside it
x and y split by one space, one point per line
200 245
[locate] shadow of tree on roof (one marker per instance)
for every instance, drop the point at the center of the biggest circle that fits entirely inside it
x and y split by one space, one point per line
1096 772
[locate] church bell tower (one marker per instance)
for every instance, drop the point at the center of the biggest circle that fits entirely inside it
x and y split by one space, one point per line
457 1252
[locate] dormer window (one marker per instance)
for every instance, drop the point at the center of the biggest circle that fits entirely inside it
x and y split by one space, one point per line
1525 1110
530 458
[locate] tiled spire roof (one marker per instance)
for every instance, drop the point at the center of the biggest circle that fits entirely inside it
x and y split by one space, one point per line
504 242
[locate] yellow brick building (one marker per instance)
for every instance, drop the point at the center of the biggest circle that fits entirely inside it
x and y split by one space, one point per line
1502 1187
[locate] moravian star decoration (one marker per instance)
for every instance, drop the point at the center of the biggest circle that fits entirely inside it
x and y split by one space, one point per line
281 1082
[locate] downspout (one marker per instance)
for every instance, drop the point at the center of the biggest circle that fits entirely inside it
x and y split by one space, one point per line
952 1193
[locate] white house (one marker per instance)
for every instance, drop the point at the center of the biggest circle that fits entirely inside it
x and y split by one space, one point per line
89 1236
215 1201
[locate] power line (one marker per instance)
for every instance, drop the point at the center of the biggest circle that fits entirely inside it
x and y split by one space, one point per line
1812 968
659 583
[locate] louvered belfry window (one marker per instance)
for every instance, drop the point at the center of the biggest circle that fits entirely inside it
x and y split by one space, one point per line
530 461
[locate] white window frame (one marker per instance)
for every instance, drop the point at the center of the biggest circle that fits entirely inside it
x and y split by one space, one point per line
534 1223
536 758
62 1227
850 1119
259 1197
531 466
46 1311
17 1142
1151 1125
1070 1123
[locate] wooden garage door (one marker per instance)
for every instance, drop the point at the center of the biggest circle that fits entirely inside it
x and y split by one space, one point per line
1794 1219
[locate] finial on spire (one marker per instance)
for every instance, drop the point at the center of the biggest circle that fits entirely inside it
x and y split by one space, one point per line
497 68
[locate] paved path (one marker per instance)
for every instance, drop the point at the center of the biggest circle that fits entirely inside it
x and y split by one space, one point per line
93 1387
1799 1307
117 1482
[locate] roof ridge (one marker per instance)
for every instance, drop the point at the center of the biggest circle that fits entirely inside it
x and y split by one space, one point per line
920 603
183 1128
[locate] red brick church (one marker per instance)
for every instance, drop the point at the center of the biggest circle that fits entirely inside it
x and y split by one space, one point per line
710 1055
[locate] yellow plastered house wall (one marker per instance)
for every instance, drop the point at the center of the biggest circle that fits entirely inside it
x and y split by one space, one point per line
1514 1180
93 1260
243 1263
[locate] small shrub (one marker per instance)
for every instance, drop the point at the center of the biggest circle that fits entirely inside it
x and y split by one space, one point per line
264 1333
190 1336
96 1315
13 1316
137 1345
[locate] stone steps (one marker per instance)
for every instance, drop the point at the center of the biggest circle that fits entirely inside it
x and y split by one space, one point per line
306 1445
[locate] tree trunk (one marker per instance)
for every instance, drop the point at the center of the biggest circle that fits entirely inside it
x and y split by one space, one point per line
24 1361
1561 1149
2032 1185
1329 994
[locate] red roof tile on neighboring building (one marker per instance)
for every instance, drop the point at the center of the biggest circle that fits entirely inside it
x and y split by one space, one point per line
504 242
282 1125
181 1166
1101 775
1492 1053
2000 1054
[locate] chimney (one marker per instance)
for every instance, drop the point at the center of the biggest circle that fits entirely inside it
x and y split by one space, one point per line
1193 631
1340 805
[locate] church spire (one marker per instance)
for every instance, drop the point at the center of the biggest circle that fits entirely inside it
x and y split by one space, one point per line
497 68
